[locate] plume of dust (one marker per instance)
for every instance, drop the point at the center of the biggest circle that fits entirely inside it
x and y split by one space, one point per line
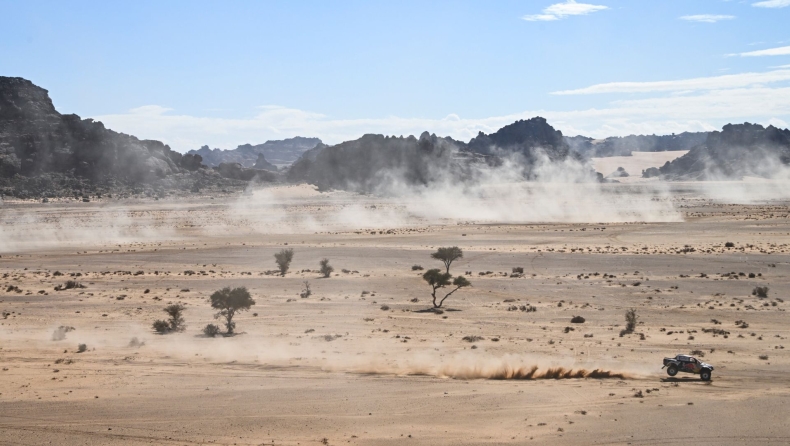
466 367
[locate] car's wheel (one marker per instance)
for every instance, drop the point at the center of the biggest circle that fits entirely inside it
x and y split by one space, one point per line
672 370
704 375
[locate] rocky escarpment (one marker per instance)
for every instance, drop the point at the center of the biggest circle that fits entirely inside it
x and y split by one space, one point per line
280 152
36 139
624 146
44 153
738 150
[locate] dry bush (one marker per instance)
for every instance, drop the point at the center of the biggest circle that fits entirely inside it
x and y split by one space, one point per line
283 260
326 269
81 348
472 338
211 330
577 320
760 291
306 292
417 268
764 357
631 319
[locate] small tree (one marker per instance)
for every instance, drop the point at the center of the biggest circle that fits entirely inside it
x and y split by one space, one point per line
631 319
283 259
326 269
228 302
437 279
448 256
174 323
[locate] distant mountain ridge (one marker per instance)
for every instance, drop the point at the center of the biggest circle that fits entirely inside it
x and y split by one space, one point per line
278 152
736 151
368 162
625 145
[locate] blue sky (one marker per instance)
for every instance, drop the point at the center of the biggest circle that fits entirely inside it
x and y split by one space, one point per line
224 73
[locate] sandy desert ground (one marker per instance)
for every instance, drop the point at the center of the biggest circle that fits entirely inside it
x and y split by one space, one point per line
359 361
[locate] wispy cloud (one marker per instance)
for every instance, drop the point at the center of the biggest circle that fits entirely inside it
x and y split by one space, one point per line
780 51
564 10
694 84
706 18
772 4
665 112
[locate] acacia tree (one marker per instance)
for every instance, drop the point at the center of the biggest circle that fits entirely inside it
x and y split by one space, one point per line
448 256
283 259
437 279
228 302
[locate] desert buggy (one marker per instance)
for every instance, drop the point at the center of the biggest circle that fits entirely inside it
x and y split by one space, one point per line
688 364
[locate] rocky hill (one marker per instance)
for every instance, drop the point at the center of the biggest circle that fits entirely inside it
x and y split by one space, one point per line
280 152
624 146
738 150
527 138
46 153
376 161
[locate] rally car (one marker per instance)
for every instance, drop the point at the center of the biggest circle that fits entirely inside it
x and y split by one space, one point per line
688 364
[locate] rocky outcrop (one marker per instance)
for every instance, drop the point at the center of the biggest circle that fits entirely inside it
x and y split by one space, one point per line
624 146
280 152
35 139
262 164
530 139
376 161
738 150
369 162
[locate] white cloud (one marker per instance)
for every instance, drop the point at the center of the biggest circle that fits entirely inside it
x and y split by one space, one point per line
563 10
667 113
706 18
780 51
772 4
695 84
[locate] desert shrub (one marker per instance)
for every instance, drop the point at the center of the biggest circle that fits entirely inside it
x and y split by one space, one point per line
729 245
230 301
518 270
764 357
385 307
760 291
81 348
283 260
326 269
448 256
161 326
698 353
417 268
472 338
577 320
211 330
437 279
306 292
631 319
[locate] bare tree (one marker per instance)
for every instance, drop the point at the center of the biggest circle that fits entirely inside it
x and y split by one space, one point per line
283 259
448 256
228 302
437 279
326 269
